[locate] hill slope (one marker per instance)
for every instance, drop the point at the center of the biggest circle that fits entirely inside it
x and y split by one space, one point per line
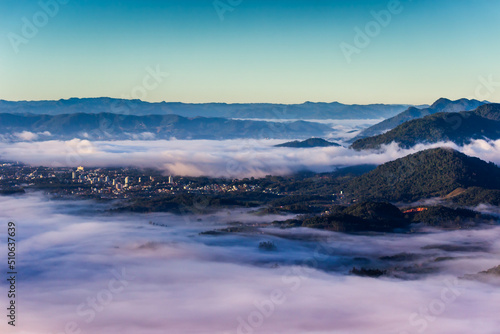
460 128
429 173
361 217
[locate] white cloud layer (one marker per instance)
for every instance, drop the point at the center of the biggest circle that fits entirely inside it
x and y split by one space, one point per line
228 158
110 274
29 136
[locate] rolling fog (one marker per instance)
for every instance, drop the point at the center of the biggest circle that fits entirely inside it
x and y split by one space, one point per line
228 158
83 270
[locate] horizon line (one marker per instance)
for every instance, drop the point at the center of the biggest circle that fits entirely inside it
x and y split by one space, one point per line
240 103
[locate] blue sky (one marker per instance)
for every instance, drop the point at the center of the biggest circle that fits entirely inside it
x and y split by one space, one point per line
261 51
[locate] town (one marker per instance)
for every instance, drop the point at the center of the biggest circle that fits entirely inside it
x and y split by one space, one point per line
114 183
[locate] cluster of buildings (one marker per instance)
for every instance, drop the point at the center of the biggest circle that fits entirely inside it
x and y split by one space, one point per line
216 188
117 181
110 182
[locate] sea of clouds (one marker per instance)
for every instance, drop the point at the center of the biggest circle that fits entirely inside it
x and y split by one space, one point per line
227 158
82 270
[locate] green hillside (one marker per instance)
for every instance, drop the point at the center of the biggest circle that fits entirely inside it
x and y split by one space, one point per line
429 173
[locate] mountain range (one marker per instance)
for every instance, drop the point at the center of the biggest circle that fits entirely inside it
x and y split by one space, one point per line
108 126
441 105
444 120
460 128
307 110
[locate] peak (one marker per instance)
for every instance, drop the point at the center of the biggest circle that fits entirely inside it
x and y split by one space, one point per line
444 104
438 150
464 100
440 101
431 153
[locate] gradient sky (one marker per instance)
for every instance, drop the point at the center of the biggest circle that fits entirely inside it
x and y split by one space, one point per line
263 51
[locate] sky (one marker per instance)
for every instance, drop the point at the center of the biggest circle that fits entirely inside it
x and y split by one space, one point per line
250 50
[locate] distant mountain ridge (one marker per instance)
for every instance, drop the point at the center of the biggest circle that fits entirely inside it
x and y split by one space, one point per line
460 128
441 105
307 110
108 126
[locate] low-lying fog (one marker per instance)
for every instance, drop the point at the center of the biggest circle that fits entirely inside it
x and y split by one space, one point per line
82 270
228 158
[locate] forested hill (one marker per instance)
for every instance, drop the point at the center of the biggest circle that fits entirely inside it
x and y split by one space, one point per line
311 142
429 173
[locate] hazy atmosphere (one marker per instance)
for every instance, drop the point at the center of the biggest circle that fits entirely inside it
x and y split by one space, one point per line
249 167
230 158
